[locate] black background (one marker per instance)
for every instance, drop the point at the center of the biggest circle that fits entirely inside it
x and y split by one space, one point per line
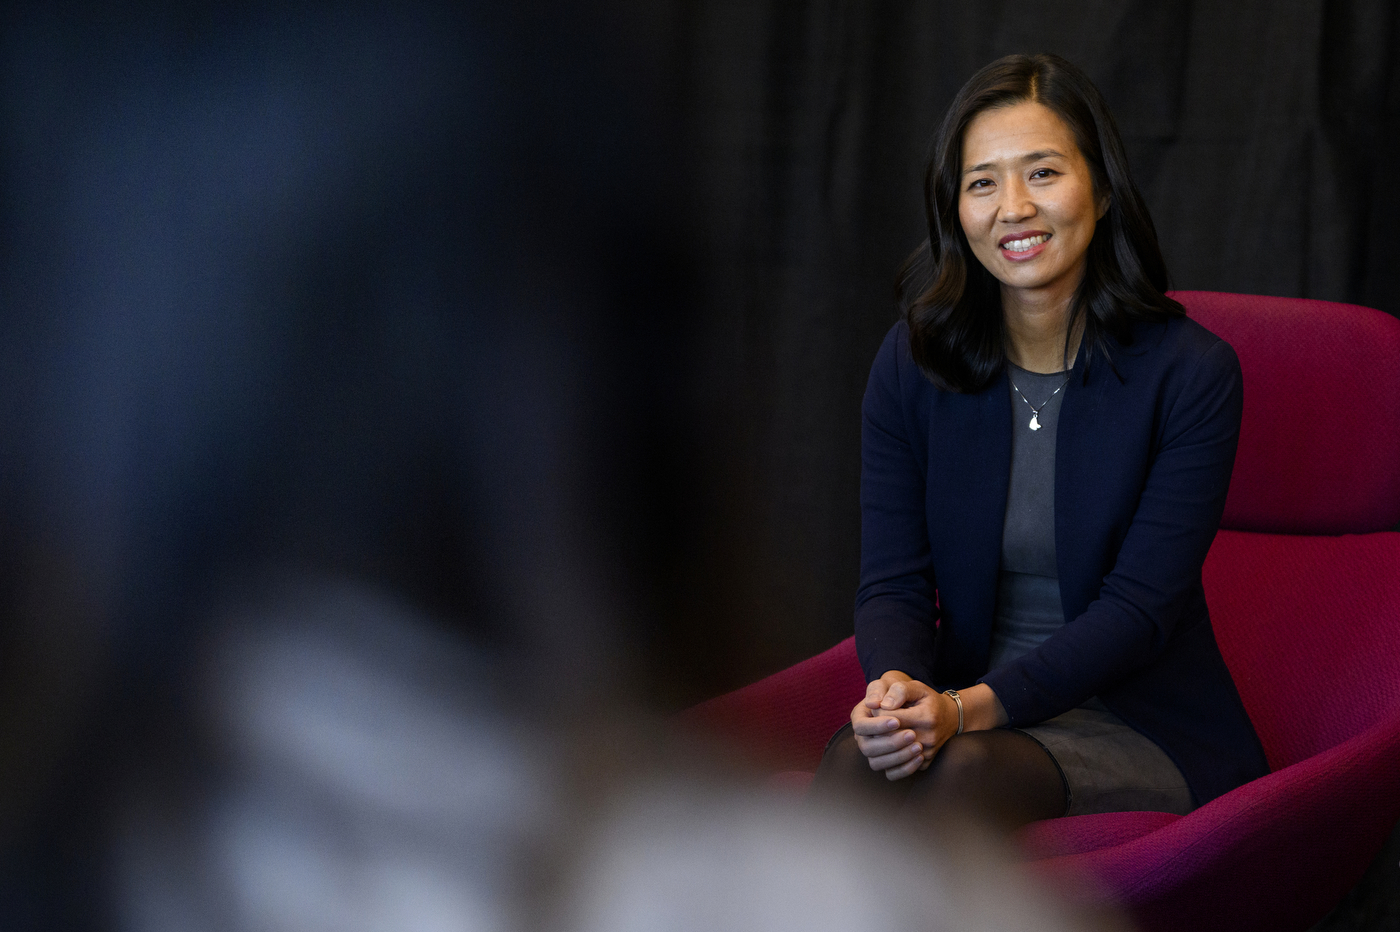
1260 134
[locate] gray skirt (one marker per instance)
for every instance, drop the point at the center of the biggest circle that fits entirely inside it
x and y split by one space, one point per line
1109 767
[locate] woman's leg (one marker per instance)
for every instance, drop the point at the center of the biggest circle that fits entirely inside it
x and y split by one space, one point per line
845 771
1001 775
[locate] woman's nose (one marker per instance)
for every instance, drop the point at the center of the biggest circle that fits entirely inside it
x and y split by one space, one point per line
1015 204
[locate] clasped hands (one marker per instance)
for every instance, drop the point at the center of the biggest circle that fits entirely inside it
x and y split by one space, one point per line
901 723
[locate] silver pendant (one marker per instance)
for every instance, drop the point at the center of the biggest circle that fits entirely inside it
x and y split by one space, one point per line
1035 421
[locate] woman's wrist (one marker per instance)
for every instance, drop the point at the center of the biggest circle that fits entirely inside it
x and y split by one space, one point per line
982 710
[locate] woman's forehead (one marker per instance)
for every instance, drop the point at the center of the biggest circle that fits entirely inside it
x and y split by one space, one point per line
1014 133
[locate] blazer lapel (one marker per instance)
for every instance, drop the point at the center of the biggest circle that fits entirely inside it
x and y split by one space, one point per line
1088 473
971 448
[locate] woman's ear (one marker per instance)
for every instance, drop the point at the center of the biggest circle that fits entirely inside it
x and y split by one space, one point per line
1103 205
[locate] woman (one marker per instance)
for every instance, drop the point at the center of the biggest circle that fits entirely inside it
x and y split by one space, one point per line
1046 448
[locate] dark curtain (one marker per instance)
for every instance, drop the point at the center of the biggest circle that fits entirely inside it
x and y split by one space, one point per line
1260 135
557 326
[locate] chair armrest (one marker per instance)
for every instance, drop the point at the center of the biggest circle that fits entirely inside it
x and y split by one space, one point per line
1297 839
787 718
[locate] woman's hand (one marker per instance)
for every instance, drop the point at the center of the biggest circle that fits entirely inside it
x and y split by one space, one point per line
901 723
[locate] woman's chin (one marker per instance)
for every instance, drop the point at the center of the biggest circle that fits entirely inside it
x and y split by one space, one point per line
1039 276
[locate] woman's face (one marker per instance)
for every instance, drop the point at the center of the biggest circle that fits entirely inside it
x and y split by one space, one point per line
1027 203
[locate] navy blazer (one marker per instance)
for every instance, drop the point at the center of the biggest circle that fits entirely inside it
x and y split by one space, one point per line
1142 465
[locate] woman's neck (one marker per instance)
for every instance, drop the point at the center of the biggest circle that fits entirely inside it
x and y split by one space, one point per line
1035 334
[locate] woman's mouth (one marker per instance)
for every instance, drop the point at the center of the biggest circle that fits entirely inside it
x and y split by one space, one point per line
1019 246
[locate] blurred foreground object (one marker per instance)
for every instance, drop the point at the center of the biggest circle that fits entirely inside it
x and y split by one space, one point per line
349 768
682 858
332 291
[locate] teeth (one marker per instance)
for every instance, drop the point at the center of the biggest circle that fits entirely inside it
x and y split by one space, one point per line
1021 245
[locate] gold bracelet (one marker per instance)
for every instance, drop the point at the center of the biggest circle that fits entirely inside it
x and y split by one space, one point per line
958 700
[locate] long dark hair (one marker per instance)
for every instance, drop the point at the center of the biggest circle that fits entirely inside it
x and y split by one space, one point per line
953 304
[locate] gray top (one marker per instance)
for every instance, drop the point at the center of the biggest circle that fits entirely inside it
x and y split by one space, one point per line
1028 587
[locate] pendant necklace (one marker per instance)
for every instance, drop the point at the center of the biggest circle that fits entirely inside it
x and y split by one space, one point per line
1035 412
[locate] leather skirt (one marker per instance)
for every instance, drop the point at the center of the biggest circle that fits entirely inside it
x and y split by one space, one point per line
1109 767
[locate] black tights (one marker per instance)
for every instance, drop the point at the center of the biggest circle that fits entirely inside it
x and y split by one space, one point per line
1002 776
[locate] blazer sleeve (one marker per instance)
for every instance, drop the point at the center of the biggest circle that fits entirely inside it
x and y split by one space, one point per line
1155 582
896 611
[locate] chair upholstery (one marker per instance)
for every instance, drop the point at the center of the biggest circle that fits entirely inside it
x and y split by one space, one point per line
1304 593
1319 440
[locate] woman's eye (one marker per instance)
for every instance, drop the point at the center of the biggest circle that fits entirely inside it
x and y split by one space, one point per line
1042 173
980 183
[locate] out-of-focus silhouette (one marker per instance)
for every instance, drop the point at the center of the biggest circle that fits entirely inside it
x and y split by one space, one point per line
379 293
344 766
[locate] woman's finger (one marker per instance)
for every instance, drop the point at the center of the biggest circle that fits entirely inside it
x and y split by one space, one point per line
874 692
912 753
875 725
894 696
918 716
905 770
885 744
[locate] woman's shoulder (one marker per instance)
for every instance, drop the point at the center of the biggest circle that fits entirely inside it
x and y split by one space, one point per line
1182 370
896 339
898 394
1180 345
894 362
1193 336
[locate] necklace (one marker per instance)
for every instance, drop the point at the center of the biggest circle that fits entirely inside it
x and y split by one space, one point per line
1035 412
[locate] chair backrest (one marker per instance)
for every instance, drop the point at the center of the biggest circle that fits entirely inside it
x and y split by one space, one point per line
1320 442
1310 629
1308 621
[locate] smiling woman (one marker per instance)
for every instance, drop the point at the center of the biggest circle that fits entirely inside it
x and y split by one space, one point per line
1046 449
1028 209
1046 113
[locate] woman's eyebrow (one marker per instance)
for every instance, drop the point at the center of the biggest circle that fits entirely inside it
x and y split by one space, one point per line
1028 157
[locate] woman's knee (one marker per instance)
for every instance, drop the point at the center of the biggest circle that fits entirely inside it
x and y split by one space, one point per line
966 760
844 769
1005 774
842 759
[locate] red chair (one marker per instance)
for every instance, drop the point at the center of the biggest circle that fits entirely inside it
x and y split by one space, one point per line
1303 582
